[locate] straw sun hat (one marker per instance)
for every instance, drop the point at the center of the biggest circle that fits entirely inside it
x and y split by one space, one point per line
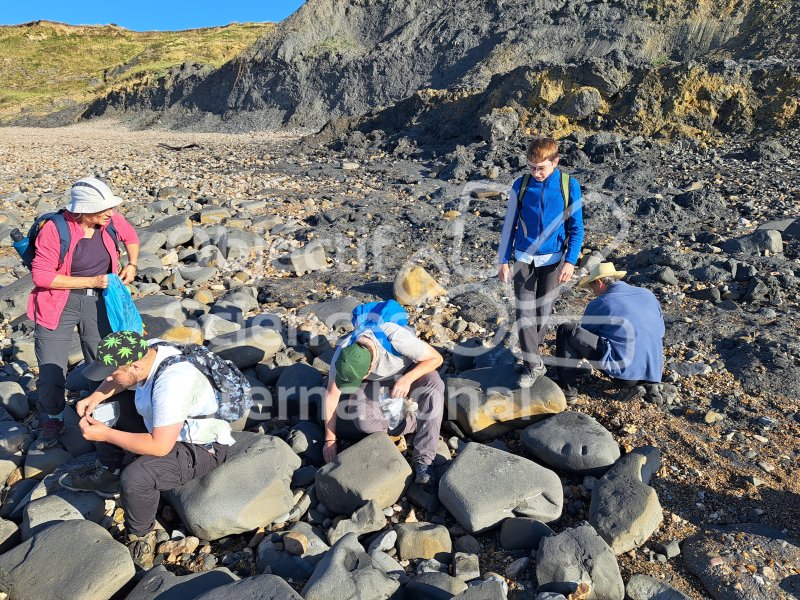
598 271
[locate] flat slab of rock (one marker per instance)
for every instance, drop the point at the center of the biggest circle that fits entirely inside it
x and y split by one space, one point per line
346 571
643 587
250 490
160 584
624 510
727 575
423 540
488 406
372 469
578 555
336 314
48 565
572 442
485 485
248 346
258 587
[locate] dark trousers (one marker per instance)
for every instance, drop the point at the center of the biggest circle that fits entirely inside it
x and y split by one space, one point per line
574 343
535 290
364 411
53 346
146 477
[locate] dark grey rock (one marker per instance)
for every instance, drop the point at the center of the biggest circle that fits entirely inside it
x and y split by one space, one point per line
230 499
300 391
257 587
160 584
579 554
624 510
572 442
347 571
372 469
14 400
508 485
521 533
98 570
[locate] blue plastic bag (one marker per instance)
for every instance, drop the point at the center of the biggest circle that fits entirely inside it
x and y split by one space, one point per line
122 312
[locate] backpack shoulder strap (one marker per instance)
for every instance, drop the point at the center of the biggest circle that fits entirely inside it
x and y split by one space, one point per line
64 236
523 187
565 196
565 189
112 231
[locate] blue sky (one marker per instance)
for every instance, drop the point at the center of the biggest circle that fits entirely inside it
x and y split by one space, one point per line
146 15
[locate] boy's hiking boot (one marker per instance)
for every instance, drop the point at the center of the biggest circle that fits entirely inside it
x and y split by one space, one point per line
528 374
48 434
143 548
95 479
424 475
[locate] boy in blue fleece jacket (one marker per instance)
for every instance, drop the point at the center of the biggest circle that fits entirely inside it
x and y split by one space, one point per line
544 236
621 333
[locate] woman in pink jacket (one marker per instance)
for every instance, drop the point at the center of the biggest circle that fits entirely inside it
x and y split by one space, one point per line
68 293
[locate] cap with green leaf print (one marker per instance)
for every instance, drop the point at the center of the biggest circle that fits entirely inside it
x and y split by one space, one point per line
115 350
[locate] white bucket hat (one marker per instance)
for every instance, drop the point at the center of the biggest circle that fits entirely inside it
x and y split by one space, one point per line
600 270
90 195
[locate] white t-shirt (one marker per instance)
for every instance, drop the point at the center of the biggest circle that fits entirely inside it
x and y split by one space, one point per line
386 365
181 390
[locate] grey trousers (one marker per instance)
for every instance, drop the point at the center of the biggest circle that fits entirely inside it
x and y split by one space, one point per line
535 290
364 410
143 480
53 346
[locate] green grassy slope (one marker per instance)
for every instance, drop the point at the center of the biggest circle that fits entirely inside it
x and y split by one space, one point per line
45 66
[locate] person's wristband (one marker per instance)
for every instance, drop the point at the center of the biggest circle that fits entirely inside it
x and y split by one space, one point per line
135 266
330 441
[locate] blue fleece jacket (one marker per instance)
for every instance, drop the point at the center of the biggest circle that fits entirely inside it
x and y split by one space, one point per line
629 323
540 228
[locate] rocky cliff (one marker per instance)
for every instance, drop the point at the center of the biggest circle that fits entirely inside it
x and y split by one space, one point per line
715 66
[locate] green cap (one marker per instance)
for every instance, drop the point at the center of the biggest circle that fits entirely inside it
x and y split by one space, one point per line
115 350
351 367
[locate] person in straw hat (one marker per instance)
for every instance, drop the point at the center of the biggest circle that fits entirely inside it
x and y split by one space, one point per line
621 333
67 291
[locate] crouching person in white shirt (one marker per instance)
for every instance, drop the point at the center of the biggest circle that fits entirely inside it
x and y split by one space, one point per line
156 423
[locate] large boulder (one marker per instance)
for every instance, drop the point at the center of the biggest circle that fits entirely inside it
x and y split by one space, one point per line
624 510
572 442
484 486
372 469
176 229
74 560
487 406
347 571
579 555
160 584
250 490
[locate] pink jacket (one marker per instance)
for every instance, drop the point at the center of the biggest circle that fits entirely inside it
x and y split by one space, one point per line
46 304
